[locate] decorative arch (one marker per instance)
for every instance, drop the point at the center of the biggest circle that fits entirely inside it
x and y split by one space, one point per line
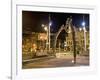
68 27
60 30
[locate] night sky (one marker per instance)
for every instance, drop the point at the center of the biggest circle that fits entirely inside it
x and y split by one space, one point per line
32 21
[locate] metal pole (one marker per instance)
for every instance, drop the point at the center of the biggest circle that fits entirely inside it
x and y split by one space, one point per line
49 32
47 42
84 40
84 35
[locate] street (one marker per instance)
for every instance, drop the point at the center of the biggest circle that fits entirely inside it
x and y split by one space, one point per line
51 62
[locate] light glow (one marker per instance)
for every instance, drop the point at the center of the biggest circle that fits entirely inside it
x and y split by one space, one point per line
45 28
83 23
50 23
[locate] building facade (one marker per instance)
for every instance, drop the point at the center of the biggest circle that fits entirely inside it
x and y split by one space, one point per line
33 41
82 39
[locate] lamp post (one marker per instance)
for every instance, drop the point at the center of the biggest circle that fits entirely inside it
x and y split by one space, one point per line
46 29
50 23
84 38
84 29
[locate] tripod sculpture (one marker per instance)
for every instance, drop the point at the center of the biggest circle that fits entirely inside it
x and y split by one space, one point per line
68 28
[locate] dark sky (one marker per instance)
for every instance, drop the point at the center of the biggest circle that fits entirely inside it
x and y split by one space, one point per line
32 21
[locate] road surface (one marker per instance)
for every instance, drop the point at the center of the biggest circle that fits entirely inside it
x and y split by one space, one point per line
57 62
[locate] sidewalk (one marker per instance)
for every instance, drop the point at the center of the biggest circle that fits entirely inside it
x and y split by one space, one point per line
37 59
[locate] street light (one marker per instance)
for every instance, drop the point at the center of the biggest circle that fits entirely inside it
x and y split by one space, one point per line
80 29
43 25
83 23
46 29
84 29
50 23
